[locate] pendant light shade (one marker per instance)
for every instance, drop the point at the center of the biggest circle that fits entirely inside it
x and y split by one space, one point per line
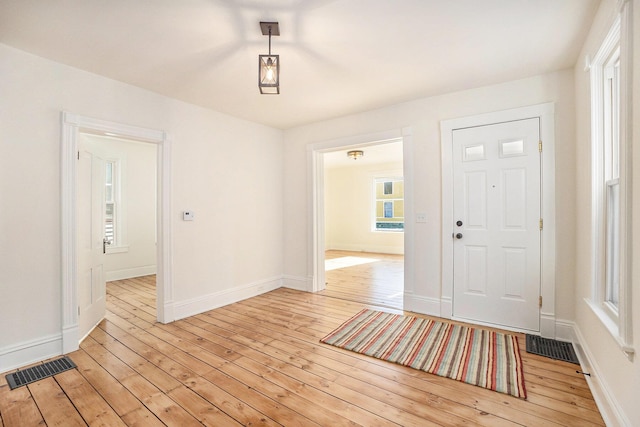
269 82
269 65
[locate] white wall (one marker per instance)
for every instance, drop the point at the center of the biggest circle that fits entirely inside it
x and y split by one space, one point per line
135 254
611 370
349 209
423 117
228 171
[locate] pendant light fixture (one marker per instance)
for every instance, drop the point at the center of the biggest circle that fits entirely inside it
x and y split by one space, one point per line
269 65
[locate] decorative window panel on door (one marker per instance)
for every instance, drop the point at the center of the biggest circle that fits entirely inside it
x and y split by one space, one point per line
512 148
473 152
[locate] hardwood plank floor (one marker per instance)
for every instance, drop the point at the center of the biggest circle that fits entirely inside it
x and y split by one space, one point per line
371 278
259 362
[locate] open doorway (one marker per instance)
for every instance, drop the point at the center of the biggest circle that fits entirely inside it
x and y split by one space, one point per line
364 224
116 226
73 127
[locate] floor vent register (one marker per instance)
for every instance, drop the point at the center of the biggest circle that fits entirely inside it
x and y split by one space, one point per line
558 350
39 372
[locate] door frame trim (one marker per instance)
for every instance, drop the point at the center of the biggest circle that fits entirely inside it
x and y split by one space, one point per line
545 112
316 193
72 125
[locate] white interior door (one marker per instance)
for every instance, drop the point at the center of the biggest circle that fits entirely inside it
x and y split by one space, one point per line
90 234
496 278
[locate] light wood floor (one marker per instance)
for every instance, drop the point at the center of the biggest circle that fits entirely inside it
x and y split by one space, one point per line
258 362
376 279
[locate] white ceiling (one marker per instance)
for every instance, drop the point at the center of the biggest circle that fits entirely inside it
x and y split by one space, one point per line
338 56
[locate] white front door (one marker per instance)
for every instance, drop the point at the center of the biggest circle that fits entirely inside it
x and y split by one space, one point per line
90 234
496 207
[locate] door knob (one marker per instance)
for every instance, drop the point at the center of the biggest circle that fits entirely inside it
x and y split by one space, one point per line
459 236
105 242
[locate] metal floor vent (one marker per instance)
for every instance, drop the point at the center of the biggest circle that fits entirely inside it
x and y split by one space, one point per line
39 372
558 350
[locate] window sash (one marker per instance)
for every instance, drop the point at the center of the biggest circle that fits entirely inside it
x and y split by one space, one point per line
388 187
612 245
611 113
110 208
388 209
388 204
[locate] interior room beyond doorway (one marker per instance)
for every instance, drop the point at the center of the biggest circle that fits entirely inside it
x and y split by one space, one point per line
364 216
369 278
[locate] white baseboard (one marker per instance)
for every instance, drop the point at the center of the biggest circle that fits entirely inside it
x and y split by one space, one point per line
70 338
169 315
25 353
548 325
421 304
204 303
607 404
446 307
298 283
565 331
128 273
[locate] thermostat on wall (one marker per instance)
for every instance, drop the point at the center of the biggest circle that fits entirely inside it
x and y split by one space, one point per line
188 215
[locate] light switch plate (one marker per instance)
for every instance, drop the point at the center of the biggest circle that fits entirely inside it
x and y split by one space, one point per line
421 217
188 216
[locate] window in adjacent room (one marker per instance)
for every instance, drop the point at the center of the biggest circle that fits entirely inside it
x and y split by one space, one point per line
110 204
388 204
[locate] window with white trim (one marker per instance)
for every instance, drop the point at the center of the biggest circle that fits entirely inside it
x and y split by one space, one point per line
111 207
611 177
388 204
611 130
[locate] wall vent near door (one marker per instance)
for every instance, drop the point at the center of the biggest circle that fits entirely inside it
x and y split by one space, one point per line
39 372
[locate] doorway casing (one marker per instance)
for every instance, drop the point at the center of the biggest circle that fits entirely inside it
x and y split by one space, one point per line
72 125
316 193
548 244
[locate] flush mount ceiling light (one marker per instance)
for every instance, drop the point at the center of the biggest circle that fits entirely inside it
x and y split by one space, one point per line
355 154
269 65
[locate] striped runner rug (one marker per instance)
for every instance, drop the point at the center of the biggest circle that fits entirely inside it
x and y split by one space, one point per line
476 356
